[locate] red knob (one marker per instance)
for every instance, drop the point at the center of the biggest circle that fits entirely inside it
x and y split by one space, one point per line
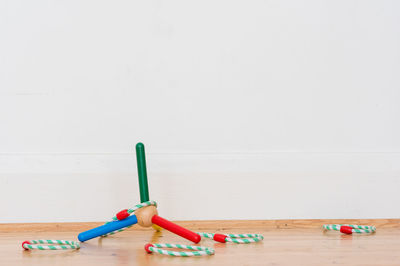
346 229
220 238
147 246
25 242
122 215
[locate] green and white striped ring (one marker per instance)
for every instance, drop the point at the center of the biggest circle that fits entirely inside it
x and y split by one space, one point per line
359 229
130 211
237 238
43 244
201 251
196 250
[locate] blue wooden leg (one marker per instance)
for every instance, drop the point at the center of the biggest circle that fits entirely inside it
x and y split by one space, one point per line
107 228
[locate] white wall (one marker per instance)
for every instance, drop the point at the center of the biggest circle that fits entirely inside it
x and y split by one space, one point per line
272 109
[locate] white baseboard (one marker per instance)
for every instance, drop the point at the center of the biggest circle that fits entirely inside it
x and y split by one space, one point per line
276 185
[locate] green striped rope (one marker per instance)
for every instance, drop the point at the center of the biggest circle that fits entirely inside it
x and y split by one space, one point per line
201 251
237 238
130 211
197 250
65 244
356 228
43 244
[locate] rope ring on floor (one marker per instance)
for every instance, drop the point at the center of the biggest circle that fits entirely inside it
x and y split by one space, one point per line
197 250
126 213
234 238
59 244
350 228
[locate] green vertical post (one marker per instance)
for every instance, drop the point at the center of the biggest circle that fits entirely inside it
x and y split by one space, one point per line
142 172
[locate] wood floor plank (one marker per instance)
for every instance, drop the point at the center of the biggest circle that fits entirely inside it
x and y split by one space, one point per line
297 242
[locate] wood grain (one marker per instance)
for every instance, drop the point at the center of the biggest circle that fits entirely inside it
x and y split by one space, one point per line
210 224
287 242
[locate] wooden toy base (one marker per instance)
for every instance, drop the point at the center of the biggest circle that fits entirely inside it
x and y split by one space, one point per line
287 242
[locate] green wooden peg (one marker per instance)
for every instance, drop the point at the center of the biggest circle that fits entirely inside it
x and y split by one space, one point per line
142 172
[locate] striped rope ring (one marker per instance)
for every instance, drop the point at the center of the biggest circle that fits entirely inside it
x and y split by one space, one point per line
197 250
235 238
350 228
126 213
59 244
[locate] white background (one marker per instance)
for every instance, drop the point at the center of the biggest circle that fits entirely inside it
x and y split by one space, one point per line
248 109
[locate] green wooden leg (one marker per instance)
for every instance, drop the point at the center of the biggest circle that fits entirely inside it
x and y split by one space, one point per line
142 172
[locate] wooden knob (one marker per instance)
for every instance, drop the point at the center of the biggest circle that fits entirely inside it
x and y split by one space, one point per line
145 214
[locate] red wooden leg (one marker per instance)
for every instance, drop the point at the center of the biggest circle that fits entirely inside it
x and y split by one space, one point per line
176 229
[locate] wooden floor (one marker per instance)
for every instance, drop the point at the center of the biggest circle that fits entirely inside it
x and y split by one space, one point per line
291 242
